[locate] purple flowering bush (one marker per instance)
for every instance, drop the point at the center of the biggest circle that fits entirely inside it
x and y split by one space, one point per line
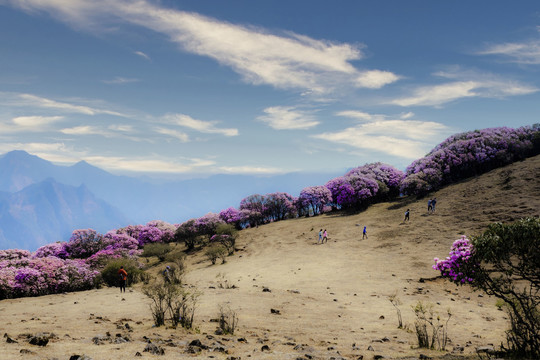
457 266
468 154
313 198
57 249
44 275
84 243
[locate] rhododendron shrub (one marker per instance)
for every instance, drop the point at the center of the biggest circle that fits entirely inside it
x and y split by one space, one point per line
470 153
458 265
504 262
314 198
45 275
384 174
253 207
57 249
84 243
235 217
187 233
14 254
207 224
279 206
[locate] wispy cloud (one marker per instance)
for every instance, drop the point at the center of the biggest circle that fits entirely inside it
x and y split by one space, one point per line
148 165
518 52
288 118
208 127
253 170
86 130
143 55
183 137
120 80
34 101
464 84
285 60
400 138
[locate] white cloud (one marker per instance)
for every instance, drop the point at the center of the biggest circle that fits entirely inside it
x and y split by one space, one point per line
288 118
34 101
86 130
183 137
521 53
284 60
143 55
466 84
376 79
208 127
147 165
401 138
255 170
120 80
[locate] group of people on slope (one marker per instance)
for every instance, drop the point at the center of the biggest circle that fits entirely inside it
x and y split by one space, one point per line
323 236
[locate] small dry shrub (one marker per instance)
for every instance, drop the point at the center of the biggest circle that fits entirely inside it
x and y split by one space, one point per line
228 320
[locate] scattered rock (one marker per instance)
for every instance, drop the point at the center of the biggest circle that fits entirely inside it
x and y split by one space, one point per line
138 354
265 289
80 357
458 349
485 349
381 317
265 348
39 340
370 348
274 311
199 344
154 349
424 357
101 339
26 351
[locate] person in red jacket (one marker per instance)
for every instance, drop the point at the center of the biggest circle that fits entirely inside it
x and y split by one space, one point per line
122 274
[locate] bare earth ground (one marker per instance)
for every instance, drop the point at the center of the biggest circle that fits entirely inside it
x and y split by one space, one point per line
332 299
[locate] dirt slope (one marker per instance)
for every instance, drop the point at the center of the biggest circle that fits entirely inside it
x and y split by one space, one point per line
332 299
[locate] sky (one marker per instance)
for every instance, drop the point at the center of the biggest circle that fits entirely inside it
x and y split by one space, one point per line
194 88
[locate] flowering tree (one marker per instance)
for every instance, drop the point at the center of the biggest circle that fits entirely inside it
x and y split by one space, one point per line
57 249
279 206
254 206
84 243
384 174
470 153
207 224
504 262
233 216
343 193
314 198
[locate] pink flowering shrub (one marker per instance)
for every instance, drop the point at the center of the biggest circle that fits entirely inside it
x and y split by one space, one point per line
57 249
45 275
314 198
84 243
14 254
457 265
468 154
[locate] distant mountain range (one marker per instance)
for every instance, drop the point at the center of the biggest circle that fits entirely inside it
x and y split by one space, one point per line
41 202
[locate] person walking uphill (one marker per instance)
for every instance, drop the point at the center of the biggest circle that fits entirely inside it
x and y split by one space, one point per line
364 233
122 274
325 236
406 216
320 237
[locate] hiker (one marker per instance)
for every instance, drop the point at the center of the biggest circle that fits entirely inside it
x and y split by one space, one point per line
122 274
167 274
320 237
325 236
433 202
364 233
406 216
429 205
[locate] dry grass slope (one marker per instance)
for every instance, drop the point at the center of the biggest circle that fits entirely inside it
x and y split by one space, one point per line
332 299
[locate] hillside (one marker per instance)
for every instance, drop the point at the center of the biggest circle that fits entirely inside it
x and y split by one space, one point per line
332 298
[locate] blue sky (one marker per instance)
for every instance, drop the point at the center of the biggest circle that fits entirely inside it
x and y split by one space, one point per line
196 88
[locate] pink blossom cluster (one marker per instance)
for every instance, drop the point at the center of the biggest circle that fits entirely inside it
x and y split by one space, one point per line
364 184
457 264
468 154
33 276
